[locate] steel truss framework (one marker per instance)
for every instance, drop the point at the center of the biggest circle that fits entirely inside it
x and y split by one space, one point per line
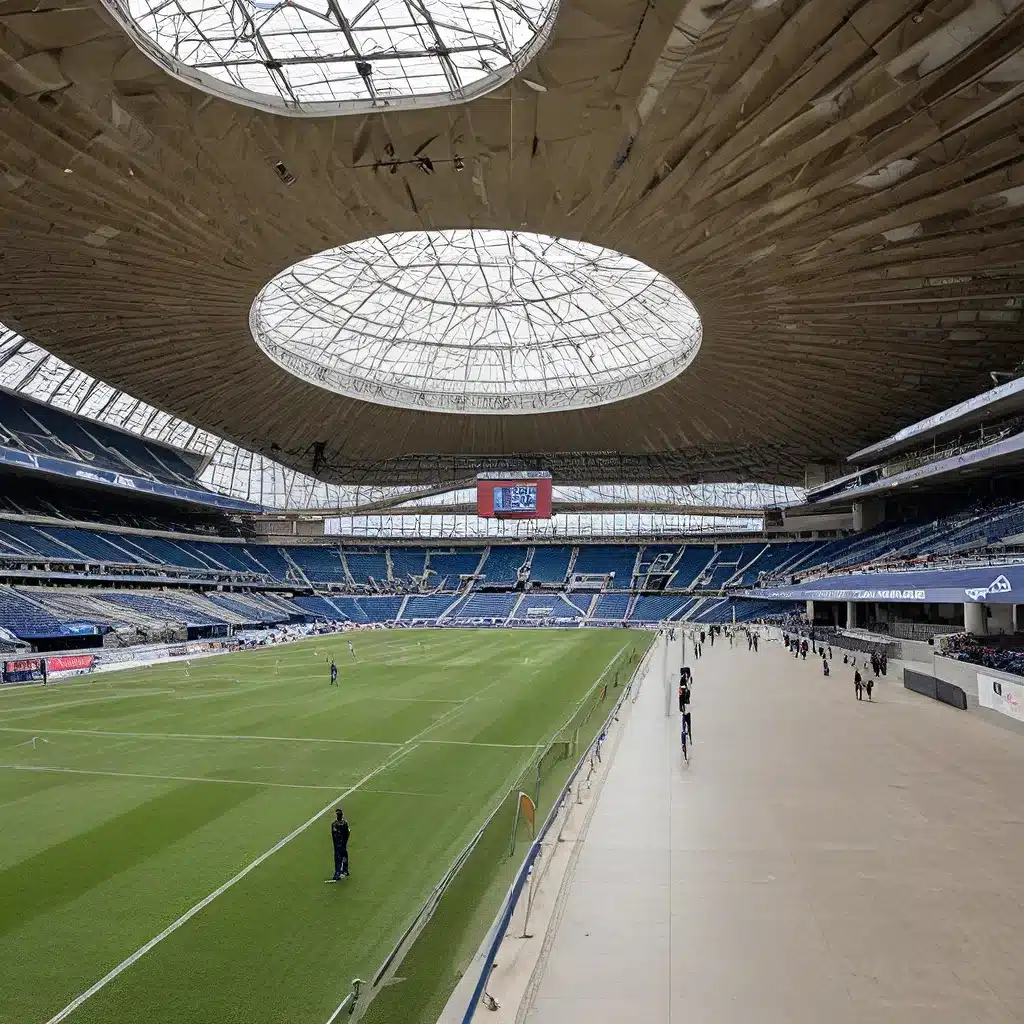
339 56
492 322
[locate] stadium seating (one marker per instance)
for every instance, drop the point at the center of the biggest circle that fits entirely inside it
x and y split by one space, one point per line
660 608
426 607
448 566
693 561
504 561
549 606
250 612
26 618
45 430
602 559
319 564
611 606
550 564
656 554
407 563
487 606
364 565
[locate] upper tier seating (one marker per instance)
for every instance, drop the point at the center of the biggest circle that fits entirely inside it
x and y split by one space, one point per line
550 564
362 565
601 559
45 430
693 561
504 561
407 563
320 564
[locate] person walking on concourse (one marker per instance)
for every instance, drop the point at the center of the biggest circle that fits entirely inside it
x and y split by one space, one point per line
858 684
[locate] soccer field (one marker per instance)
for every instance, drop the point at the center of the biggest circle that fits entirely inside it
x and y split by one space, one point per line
127 799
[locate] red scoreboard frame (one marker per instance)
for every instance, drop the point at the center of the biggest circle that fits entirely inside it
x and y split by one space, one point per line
488 483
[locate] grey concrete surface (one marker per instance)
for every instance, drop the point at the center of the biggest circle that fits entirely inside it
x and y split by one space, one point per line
820 861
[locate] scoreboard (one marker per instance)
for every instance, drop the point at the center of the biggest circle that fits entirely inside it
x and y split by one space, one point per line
513 495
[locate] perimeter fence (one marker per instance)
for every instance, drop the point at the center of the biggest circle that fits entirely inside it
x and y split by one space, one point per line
446 932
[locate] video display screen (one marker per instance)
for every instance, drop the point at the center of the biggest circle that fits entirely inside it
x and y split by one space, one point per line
517 498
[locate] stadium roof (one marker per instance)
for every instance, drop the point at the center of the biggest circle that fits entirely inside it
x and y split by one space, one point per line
374 511
836 184
339 56
486 322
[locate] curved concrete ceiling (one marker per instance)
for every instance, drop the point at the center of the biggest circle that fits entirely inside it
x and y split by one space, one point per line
837 184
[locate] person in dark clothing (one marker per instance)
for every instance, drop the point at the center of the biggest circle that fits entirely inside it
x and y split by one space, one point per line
755 643
884 663
857 685
686 674
334 673
825 668
42 669
684 696
702 637
869 686
340 832
874 662
803 650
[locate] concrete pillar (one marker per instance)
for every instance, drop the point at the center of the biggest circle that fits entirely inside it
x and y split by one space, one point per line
810 612
974 618
851 614
867 514
1000 618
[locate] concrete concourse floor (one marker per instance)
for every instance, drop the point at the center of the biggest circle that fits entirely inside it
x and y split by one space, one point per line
820 860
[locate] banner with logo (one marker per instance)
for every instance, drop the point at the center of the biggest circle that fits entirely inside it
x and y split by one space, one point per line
1001 695
70 663
986 585
23 670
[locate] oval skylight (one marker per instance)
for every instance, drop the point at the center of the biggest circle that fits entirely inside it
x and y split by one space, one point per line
339 56
477 322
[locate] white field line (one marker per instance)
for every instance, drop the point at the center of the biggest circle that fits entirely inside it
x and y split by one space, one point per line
158 778
38 731
16 712
206 901
474 743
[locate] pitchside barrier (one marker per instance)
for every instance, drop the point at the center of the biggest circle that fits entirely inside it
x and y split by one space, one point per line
447 927
525 876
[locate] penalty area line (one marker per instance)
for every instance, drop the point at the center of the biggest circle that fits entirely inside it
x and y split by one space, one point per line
206 901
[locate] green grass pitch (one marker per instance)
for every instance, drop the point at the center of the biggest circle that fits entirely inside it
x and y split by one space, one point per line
127 798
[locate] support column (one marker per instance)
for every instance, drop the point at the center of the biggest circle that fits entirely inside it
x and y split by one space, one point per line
851 614
974 618
867 514
810 612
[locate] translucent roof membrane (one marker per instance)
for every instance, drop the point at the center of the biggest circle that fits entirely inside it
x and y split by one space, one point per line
339 56
477 322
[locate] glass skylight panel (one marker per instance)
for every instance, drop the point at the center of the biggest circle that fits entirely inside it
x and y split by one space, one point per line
473 321
337 56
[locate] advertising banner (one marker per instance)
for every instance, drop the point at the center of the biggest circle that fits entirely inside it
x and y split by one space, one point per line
1001 695
24 670
983 584
70 663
